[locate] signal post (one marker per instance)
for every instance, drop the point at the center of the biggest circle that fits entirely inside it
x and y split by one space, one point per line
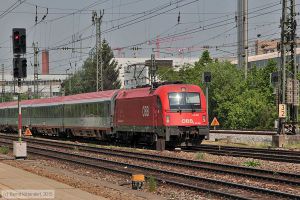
19 72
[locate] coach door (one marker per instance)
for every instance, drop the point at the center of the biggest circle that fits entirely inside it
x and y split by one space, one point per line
157 112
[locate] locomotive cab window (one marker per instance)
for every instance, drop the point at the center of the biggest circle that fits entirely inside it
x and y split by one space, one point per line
184 101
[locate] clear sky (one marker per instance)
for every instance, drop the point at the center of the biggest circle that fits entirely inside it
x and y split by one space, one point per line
129 23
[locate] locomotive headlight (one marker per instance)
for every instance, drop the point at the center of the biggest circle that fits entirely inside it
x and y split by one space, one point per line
204 118
168 119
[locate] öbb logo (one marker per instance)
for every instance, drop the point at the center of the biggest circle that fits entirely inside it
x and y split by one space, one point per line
145 111
187 121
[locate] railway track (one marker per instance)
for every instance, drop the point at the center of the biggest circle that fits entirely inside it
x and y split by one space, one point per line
279 177
243 132
259 153
178 179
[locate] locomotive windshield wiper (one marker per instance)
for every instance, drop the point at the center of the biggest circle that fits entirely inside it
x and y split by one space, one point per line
179 110
193 109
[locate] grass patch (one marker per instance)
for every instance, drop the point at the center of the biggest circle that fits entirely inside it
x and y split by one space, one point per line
76 148
263 145
4 150
294 145
251 163
223 142
92 145
152 183
199 156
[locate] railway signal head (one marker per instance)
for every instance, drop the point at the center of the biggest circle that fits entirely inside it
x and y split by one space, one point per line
16 68
206 77
19 40
24 67
274 77
20 67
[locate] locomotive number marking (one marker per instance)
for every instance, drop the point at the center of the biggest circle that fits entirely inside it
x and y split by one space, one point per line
145 111
187 121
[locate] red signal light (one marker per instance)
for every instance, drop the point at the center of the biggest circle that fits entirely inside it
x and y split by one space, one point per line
17 37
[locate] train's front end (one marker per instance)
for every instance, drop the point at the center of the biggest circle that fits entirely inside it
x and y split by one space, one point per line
184 114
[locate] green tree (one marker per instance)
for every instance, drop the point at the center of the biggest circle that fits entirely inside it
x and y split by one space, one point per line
85 79
236 102
204 59
7 97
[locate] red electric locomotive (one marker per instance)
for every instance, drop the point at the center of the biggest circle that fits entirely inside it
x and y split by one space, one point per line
174 113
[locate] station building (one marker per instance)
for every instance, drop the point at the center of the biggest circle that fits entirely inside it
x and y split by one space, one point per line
133 71
263 59
48 85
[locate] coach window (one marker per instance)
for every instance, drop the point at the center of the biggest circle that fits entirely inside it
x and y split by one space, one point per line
83 111
100 109
12 113
46 113
51 111
108 109
37 110
79 109
15 113
60 111
76 110
73 110
104 109
90 105
96 108
24 112
42 112
67 110
32 112
86 109
90 109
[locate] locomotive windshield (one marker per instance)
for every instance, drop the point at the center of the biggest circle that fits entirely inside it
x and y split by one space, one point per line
184 100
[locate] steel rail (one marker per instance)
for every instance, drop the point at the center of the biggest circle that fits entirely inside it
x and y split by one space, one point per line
181 179
279 177
243 132
264 154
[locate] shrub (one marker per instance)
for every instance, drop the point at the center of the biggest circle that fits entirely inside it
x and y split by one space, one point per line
4 150
251 163
152 184
199 156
